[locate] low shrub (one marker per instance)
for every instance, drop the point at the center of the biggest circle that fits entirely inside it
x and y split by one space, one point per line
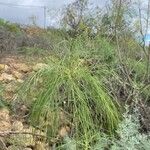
128 137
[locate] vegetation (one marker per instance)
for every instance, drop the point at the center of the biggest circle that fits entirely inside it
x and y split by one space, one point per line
90 70
128 137
11 27
68 85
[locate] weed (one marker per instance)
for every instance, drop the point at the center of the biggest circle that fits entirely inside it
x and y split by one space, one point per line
68 84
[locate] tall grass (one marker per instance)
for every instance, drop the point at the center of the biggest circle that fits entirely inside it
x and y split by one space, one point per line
9 26
68 85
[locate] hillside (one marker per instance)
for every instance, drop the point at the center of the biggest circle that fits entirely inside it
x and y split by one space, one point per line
72 88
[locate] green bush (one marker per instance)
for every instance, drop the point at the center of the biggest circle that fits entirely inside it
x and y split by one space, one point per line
9 26
128 138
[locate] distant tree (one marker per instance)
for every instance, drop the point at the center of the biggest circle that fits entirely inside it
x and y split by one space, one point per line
110 20
73 16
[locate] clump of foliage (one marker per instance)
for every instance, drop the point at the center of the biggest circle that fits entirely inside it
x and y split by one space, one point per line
9 26
128 137
68 84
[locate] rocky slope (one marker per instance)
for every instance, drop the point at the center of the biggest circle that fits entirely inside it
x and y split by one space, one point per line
15 134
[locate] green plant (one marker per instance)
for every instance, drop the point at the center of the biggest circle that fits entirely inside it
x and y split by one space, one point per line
68 85
2 102
10 26
128 136
31 51
69 144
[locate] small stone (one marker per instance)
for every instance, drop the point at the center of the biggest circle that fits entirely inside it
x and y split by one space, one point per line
6 77
13 147
4 115
5 126
23 140
64 131
17 126
1 79
22 67
24 108
39 146
20 81
2 66
7 69
39 66
17 75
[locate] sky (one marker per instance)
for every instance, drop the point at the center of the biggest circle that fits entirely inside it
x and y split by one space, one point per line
23 15
147 38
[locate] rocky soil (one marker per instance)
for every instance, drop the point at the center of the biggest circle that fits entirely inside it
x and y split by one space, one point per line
15 133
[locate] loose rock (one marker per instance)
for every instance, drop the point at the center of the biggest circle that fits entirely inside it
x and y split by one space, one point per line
5 124
13 147
39 146
22 67
6 77
20 81
17 126
4 114
2 66
23 140
17 75
64 131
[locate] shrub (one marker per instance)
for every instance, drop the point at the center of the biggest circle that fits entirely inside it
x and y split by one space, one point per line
128 137
10 26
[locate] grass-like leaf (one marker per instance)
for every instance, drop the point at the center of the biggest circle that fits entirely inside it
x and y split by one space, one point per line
68 85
